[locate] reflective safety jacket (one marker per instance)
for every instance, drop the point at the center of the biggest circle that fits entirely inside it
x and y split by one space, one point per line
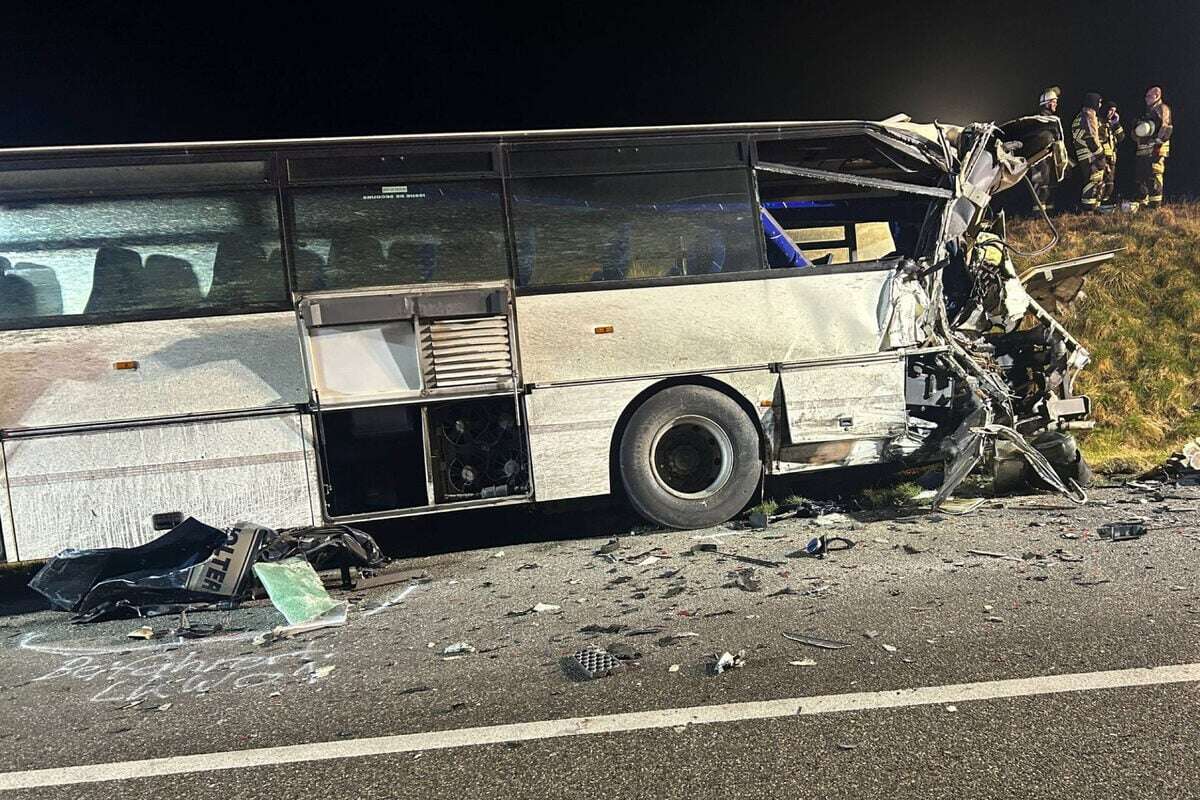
1159 117
1085 135
1110 136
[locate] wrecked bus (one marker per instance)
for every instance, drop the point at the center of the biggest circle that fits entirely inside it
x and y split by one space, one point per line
360 328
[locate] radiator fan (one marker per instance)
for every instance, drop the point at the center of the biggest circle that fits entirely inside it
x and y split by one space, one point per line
482 454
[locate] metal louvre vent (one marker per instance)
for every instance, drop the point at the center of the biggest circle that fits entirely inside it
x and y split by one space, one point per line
466 353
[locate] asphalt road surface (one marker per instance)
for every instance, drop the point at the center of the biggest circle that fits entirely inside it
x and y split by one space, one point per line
1055 665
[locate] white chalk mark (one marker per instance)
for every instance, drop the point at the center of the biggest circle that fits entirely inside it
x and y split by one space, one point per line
611 723
391 601
28 642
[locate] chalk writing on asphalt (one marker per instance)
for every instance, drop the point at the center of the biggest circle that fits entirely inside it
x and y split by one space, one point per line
163 675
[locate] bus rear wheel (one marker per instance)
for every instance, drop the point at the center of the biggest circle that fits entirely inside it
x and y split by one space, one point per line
690 458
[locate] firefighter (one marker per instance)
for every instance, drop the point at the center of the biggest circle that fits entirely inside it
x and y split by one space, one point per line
1089 152
1042 175
1152 135
1111 135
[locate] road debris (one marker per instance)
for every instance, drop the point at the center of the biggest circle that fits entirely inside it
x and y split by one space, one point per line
727 661
813 641
891 648
458 648
673 668
538 608
992 554
295 590
746 580
590 663
144 632
804 662
1121 531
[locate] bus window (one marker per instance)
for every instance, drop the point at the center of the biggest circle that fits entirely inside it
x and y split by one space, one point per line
138 256
582 228
405 233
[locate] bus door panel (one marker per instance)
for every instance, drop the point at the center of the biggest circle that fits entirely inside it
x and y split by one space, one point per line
845 400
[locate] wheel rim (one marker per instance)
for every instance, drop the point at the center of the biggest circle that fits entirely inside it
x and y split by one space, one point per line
691 457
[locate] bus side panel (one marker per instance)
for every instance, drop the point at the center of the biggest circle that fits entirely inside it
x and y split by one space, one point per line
6 523
698 327
67 376
101 488
571 429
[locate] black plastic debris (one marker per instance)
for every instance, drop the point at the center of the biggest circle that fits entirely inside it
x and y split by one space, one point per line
325 547
1121 531
591 663
820 545
184 569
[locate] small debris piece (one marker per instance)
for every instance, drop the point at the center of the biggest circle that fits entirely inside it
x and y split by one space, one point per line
911 549
952 709
674 591
990 554
321 672
530 565
828 520
591 663
642 631
458 648
672 638
988 608
162 707
847 746
542 608
994 619
1069 535
891 648
804 662
622 651
602 629
758 520
747 581
813 641
144 632
870 634
611 546
498 554
673 668
1121 531
728 661
647 561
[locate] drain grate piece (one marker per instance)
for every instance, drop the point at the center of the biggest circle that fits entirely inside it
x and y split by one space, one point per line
593 662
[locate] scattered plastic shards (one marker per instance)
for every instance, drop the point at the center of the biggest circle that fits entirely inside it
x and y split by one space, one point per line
458 648
622 651
672 638
747 581
813 641
1121 531
539 608
727 661
602 629
591 663
144 632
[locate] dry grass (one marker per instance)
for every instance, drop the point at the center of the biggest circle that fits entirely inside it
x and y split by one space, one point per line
1140 319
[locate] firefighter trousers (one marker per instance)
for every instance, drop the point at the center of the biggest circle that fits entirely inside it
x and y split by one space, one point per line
1092 172
1150 169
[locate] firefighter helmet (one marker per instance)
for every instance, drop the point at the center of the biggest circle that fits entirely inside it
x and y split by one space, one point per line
1144 129
1051 94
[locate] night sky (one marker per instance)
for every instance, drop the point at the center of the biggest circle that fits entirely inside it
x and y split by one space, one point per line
125 72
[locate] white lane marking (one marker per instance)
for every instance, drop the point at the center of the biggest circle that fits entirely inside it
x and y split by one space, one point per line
27 642
611 723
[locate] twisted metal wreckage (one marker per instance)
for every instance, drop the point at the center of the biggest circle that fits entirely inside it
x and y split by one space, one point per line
1007 367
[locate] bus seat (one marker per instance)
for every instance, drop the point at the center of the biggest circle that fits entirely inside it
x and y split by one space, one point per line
171 280
411 262
116 281
18 298
240 271
45 285
356 254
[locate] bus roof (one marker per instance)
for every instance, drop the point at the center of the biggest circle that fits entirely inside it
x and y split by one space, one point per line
900 122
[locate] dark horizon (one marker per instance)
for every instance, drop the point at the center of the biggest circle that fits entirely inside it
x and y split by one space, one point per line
92 75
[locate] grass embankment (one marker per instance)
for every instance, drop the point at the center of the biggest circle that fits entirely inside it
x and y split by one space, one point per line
1140 319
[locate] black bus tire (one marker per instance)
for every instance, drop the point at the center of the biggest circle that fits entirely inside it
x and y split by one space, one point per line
690 458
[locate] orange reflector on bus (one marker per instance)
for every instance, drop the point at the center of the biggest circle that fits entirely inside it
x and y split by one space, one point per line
767 403
125 365
604 329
